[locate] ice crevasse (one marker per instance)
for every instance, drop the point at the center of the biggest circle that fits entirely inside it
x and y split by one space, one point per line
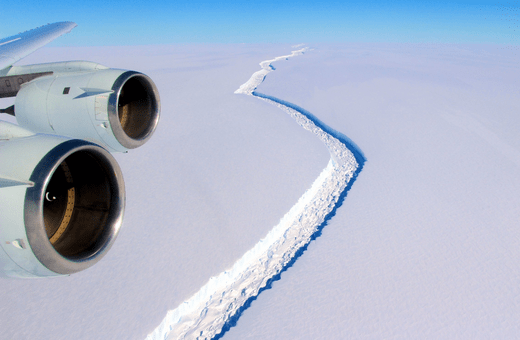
221 301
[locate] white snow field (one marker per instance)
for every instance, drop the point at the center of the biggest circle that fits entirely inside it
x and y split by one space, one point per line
425 245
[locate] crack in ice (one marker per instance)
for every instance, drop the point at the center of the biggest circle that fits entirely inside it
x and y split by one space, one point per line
222 299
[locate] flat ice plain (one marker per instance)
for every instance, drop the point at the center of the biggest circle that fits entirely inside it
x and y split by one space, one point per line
425 245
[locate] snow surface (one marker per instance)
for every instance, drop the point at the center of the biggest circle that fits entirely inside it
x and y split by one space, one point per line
425 245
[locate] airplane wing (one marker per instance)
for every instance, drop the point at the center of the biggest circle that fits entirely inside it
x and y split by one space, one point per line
16 47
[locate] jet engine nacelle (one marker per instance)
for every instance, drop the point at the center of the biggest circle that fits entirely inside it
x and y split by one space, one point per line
61 204
117 109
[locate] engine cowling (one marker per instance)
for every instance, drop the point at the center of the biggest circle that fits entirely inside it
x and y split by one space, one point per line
64 208
117 109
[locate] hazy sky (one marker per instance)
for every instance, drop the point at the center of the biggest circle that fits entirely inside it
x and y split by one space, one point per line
141 22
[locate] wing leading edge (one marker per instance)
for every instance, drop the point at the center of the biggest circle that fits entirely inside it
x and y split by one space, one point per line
16 47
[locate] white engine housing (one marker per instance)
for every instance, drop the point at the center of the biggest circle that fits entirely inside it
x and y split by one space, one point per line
117 109
62 206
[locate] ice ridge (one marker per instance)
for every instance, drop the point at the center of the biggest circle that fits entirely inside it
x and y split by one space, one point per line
217 305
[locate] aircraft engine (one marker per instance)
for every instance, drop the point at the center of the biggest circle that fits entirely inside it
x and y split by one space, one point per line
117 109
61 203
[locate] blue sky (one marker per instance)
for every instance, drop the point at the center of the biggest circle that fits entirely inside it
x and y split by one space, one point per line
137 22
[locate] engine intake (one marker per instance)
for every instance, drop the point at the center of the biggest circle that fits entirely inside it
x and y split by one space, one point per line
71 214
81 200
133 109
77 204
